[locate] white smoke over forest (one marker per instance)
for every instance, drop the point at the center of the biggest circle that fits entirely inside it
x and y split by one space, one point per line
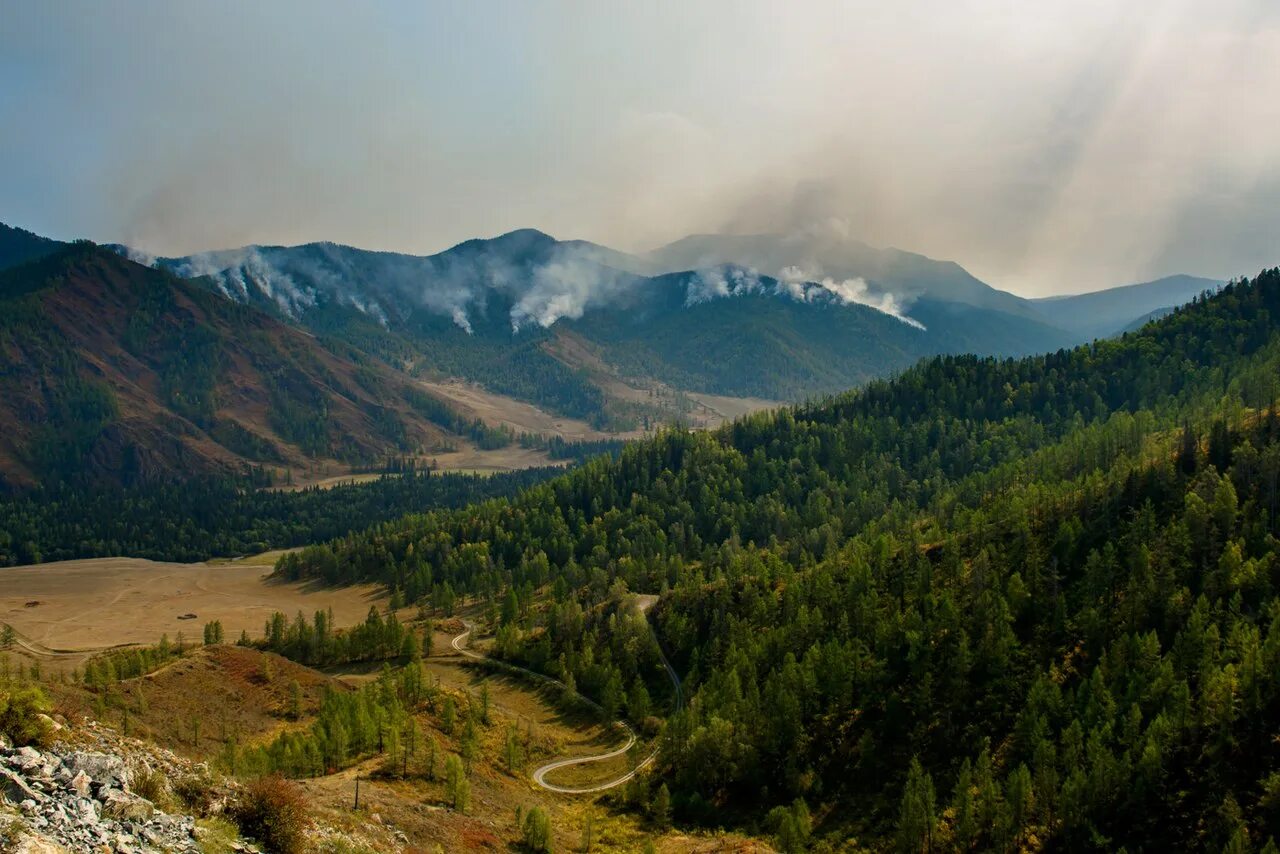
792 283
536 281
565 288
235 271
854 291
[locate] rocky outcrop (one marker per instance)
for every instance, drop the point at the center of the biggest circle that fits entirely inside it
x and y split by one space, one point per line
77 800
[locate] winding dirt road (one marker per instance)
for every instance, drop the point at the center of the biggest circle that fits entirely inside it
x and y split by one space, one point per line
539 775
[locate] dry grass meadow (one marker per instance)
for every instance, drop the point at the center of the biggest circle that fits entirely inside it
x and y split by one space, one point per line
66 610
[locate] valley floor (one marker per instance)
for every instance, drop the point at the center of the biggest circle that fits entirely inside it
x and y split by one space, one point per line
65 611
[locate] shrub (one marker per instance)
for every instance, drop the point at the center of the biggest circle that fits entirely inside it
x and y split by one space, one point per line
273 811
152 785
344 846
21 708
196 792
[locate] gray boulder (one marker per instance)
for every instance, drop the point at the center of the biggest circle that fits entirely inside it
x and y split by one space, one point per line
105 769
15 790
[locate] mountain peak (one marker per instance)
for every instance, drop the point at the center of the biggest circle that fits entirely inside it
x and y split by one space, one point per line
518 242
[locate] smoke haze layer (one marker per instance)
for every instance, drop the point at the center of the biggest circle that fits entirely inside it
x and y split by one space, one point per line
1049 147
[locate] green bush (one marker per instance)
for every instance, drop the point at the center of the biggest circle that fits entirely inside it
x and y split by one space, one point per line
21 708
217 836
195 791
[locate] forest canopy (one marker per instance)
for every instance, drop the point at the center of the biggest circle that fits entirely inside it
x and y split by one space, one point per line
986 604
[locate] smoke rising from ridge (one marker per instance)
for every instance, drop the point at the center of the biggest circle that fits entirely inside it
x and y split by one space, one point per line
853 291
556 282
565 288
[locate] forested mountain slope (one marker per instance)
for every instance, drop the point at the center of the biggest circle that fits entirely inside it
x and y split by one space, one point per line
988 604
786 340
116 372
194 519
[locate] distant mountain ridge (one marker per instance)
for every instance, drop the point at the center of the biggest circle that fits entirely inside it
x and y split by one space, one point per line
907 275
1113 310
496 311
280 355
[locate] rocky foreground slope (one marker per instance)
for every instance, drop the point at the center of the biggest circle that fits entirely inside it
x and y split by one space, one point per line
89 792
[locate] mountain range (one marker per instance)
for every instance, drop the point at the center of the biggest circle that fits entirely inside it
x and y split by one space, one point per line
269 355
779 317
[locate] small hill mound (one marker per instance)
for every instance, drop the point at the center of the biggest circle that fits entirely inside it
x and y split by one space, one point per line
218 692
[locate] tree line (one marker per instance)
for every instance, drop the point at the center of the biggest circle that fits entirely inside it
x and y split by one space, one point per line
208 517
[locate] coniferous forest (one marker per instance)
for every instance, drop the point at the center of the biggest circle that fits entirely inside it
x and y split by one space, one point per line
988 604
222 516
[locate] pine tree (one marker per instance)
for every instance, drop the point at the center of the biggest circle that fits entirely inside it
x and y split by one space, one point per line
917 815
638 703
537 830
510 607
964 808
449 718
512 752
457 789
660 810
295 700
431 749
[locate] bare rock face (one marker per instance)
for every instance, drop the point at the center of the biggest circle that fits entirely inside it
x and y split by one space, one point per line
123 806
14 788
105 769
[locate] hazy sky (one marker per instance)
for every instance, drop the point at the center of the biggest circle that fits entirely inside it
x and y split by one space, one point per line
1047 147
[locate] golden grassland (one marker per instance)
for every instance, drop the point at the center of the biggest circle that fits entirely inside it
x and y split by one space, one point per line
65 611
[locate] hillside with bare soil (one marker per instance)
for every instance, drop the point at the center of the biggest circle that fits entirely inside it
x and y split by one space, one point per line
120 372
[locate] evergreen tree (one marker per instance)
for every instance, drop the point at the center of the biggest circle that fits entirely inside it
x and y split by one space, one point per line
537 830
917 816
